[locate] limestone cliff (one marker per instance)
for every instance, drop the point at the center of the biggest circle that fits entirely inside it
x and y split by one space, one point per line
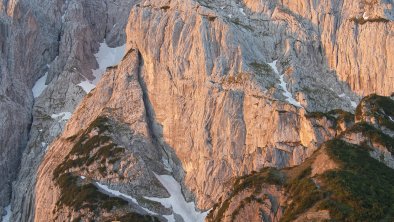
208 91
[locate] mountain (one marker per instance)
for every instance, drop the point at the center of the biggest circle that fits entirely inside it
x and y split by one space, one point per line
193 110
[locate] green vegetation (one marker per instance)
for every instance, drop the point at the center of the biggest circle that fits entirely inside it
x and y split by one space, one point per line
303 193
85 195
165 8
77 196
89 150
244 202
362 21
254 181
362 190
239 23
375 135
334 116
86 151
380 107
257 180
134 217
285 63
261 68
211 18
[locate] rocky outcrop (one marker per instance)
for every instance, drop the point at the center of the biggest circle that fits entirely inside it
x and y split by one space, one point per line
132 171
73 31
350 32
374 128
240 85
255 197
200 68
24 50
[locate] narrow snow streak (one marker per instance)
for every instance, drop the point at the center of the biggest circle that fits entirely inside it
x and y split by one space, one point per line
64 116
39 86
126 197
283 84
105 57
7 216
177 202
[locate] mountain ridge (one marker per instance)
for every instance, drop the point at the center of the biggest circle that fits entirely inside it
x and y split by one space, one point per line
225 88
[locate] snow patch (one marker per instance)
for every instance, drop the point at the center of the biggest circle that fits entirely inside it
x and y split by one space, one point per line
83 177
7 216
44 145
40 86
105 57
116 193
87 86
64 116
242 11
365 16
283 85
392 120
354 104
177 202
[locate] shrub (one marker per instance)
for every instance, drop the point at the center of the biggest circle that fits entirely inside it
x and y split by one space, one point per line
261 68
304 194
84 196
362 190
379 107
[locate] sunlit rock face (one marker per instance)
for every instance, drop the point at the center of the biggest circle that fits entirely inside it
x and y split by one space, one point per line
200 90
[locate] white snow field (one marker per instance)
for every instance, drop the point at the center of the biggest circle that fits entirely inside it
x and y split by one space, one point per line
39 86
105 57
7 217
176 201
64 116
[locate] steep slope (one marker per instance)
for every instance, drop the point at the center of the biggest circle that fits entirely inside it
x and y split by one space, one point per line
25 50
355 38
209 65
220 89
53 42
341 181
116 146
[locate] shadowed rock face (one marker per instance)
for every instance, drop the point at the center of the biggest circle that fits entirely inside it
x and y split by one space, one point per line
205 80
54 37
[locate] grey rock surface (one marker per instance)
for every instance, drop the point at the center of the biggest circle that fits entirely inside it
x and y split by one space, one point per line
54 37
208 92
